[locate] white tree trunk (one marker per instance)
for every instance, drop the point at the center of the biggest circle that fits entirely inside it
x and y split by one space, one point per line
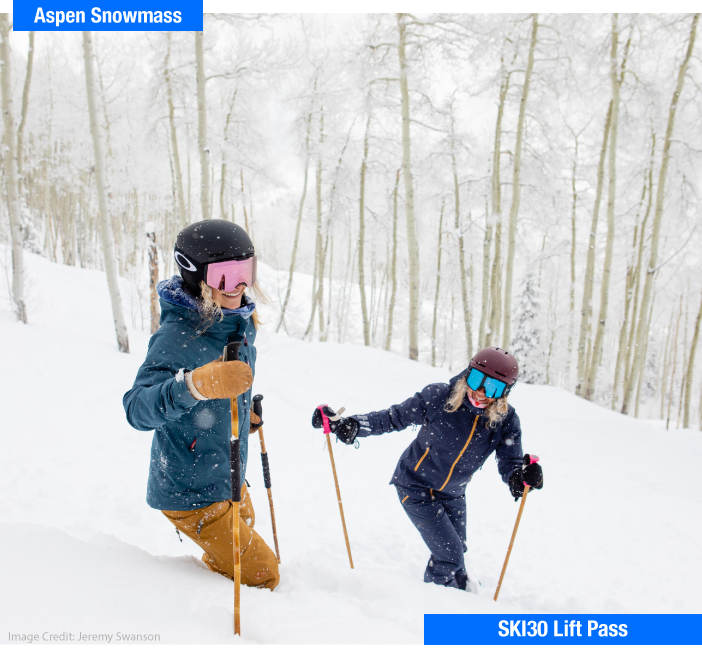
108 243
23 112
178 176
616 80
412 244
675 363
202 128
153 277
485 299
492 336
657 218
516 191
393 262
690 367
573 245
438 287
10 164
586 311
467 324
361 237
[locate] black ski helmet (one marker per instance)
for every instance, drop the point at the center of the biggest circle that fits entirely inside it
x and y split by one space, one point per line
209 241
497 363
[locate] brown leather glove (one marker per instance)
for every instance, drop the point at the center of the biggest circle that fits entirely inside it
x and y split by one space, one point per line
254 422
220 379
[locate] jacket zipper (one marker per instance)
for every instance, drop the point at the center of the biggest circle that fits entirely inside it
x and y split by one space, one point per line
463 450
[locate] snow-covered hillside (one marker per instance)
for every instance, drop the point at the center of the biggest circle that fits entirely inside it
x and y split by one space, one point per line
615 529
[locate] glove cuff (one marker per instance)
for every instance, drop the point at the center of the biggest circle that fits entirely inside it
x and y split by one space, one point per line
516 483
192 388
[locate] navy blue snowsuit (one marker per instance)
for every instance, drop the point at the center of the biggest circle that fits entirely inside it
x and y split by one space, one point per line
432 473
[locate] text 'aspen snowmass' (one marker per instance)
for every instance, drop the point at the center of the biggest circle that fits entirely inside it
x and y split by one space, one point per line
97 15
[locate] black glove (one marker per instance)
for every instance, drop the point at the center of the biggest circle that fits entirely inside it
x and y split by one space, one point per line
345 428
532 475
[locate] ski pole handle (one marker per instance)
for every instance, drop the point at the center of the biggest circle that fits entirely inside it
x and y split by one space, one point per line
257 408
530 459
266 471
231 353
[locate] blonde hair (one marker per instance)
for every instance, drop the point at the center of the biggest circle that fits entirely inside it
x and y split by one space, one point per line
211 311
496 410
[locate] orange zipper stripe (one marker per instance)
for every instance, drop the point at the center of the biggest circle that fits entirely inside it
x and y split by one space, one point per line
422 458
463 450
405 499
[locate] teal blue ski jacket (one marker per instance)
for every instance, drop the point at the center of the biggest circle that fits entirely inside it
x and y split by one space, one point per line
190 449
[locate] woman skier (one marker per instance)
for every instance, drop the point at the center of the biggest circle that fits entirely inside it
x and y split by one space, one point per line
462 423
183 389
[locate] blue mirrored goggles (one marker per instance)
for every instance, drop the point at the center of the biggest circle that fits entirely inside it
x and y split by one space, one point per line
493 388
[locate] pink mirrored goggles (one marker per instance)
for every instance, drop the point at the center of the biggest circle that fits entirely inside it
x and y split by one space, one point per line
227 275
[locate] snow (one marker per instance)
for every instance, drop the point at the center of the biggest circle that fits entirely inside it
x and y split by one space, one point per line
615 529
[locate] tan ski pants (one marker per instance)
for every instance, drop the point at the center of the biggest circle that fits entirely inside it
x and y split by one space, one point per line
211 529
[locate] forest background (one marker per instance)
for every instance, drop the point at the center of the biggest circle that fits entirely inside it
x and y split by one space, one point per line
436 182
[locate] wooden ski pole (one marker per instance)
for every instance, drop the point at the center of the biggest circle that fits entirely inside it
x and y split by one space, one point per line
327 430
266 468
532 459
338 496
231 353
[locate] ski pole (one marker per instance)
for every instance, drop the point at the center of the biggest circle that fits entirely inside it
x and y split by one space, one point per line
231 353
266 468
327 430
528 459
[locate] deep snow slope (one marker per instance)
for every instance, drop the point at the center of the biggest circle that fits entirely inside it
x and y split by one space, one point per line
616 528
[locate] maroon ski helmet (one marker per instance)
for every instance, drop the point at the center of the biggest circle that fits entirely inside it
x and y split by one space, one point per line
497 363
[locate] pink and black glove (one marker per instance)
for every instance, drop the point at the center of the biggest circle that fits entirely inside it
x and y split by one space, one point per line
531 475
345 428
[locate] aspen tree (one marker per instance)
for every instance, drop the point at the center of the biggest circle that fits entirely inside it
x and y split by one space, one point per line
516 191
10 165
223 172
106 235
690 369
361 235
485 298
393 266
153 276
438 286
299 214
496 194
642 372
617 78
177 174
666 360
202 127
675 361
586 312
628 300
318 278
23 112
461 246
573 248
412 244
683 374
630 352
243 201
658 216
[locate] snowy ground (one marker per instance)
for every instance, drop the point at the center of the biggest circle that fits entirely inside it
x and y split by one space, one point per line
615 530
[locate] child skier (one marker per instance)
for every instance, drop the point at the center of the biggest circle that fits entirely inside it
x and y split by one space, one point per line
462 423
183 389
